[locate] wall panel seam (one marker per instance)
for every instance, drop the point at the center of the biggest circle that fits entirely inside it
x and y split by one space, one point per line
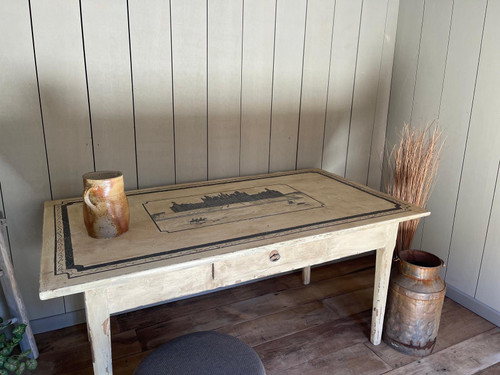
487 228
132 94
87 84
466 137
2 203
208 82
40 100
445 61
353 86
384 157
416 69
301 84
241 77
328 86
173 93
422 234
272 86
378 97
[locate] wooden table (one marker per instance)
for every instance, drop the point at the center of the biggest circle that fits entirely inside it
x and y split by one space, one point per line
191 238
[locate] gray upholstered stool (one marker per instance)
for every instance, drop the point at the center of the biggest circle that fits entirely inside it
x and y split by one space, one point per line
202 353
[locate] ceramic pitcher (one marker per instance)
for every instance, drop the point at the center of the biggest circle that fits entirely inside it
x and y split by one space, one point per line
105 208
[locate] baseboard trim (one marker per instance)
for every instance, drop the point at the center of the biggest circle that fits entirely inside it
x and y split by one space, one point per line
59 321
473 304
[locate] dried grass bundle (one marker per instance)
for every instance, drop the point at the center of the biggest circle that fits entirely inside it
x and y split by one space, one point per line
412 166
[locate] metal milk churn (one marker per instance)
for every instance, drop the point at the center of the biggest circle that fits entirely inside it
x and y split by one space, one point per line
414 303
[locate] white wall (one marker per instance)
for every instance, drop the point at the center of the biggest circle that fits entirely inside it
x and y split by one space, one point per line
446 67
181 90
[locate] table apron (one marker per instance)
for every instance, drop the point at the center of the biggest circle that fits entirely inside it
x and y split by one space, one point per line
251 265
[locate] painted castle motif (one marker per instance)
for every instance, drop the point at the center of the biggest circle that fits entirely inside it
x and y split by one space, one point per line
223 199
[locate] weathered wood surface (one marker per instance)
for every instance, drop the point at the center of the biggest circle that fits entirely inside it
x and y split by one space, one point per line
272 206
384 261
457 324
457 358
194 242
99 331
343 287
360 359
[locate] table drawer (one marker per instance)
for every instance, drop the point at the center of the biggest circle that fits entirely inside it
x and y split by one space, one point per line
287 256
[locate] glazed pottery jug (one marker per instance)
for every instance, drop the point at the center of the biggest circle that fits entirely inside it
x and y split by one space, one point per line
105 208
414 303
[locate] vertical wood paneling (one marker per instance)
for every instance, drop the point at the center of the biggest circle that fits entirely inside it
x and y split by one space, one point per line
105 30
2 209
3 305
23 165
152 80
454 116
405 66
341 84
480 165
289 49
383 94
256 89
177 91
366 82
430 71
189 49
488 291
63 93
224 87
318 41
406 56
432 59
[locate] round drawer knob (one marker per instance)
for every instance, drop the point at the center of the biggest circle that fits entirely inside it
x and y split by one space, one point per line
274 256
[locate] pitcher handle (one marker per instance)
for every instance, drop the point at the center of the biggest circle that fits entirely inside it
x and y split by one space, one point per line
87 199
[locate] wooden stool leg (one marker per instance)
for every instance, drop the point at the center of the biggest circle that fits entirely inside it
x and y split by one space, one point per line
306 275
98 326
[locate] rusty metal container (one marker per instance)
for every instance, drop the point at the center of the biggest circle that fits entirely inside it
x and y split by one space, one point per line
414 303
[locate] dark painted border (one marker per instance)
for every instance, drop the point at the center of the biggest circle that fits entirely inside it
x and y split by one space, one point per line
68 248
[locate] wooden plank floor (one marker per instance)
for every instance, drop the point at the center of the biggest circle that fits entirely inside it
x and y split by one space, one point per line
322 328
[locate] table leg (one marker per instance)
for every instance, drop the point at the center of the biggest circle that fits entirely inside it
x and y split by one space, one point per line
98 326
382 275
306 275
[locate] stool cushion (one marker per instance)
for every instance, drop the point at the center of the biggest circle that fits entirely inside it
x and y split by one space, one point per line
202 353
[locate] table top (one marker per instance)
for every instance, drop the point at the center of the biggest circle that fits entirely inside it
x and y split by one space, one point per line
177 226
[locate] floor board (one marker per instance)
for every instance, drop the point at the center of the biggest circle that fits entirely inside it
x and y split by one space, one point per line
319 329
